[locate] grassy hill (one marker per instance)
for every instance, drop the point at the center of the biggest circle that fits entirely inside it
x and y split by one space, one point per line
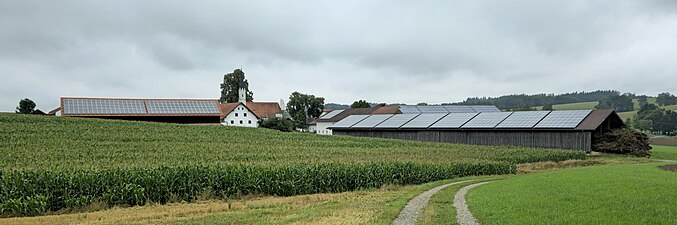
591 105
51 163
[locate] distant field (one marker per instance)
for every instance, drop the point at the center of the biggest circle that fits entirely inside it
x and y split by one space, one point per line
575 106
665 141
664 152
618 194
591 105
50 163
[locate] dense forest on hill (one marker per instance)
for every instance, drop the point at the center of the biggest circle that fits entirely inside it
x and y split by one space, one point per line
523 100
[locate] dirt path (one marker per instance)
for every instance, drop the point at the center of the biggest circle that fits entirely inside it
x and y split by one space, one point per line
463 215
414 208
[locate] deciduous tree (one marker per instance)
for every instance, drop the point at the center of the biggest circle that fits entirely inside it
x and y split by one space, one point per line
304 106
231 85
26 106
360 104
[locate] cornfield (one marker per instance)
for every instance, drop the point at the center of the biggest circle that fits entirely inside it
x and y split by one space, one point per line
52 163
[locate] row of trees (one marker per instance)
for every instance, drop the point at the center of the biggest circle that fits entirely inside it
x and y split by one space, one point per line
546 100
666 99
619 103
651 118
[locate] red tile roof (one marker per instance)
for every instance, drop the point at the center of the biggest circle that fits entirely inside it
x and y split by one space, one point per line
264 109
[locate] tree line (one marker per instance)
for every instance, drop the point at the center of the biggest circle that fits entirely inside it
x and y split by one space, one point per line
653 119
524 101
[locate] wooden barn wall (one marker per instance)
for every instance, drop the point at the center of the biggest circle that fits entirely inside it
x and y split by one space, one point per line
574 140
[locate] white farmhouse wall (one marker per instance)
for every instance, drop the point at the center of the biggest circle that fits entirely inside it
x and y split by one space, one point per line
241 117
322 128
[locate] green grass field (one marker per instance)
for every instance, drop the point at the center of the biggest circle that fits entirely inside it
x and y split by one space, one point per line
51 163
664 152
614 194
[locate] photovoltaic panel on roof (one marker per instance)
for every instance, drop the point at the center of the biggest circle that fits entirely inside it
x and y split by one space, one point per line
523 119
349 121
397 120
453 120
407 109
331 114
424 120
485 108
103 106
181 107
486 120
563 119
459 109
432 109
372 121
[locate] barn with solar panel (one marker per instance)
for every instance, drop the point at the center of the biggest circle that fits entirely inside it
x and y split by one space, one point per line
571 129
154 110
327 120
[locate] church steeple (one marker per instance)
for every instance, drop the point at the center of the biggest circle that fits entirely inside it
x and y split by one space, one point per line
242 92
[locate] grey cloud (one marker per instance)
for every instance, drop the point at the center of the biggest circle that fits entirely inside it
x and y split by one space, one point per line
344 50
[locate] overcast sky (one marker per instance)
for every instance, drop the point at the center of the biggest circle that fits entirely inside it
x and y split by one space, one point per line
381 51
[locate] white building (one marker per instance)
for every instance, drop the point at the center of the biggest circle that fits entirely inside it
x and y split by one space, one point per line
239 115
247 114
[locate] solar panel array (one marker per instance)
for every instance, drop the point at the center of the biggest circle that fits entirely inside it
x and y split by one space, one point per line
138 107
523 119
372 121
486 120
349 121
415 109
406 109
485 108
424 120
432 109
181 107
397 120
454 120
103 106
331 114
459 109
563 119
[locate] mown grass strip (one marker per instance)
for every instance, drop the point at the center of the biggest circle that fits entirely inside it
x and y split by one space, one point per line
614 194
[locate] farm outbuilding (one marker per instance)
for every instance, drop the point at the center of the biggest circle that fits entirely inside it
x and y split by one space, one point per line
154 110
573 129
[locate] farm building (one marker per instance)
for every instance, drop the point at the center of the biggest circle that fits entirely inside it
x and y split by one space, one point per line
328 119
247 114
154 110
573 129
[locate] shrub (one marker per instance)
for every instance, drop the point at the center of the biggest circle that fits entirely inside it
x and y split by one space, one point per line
623 141
277 124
